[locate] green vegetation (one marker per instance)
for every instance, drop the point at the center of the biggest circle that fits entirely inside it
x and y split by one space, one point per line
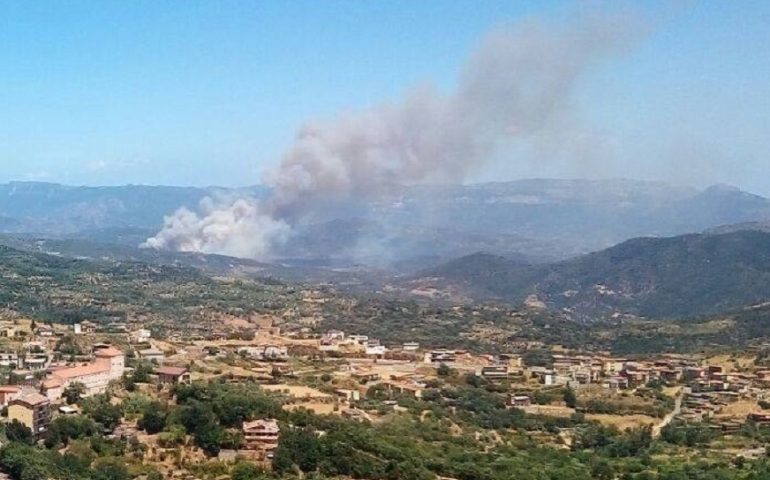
681 276
65 290
460 429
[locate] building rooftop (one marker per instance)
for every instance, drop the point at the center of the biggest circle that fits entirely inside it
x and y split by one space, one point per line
266 425
79 371
108 352
31 400
52 382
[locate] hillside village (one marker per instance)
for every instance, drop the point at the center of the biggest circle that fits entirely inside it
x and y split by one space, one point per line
51 372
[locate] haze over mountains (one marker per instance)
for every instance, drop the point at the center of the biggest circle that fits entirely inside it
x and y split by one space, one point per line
529 220
535 235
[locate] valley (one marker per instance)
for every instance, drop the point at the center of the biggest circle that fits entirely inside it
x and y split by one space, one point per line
439 366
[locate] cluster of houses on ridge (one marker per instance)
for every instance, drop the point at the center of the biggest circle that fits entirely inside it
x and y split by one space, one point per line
706 388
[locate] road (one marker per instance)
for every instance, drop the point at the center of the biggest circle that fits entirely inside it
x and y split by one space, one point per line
668 418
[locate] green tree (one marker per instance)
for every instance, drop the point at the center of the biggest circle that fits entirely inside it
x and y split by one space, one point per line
103 411
247 471
74 392
570 399
18 432
153 418
299 447
110 469
66 428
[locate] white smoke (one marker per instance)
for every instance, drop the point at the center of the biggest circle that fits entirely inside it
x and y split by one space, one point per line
241 230
517 86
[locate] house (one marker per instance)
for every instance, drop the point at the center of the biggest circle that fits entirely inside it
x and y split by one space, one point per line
8 393
87 327
152 355
45 330
616 383
265 352
583 376
413 389
261 435
670 375
22 376
411 346
108 365
35 361
141 335
360 339
548 377
334 335
356 414
693 373
364 377
636 377
441 356
32 410
68 410
613 366
376 350
275 353
715 369
519 400
496 372
9 359
349 395
8 331
759 418
173 375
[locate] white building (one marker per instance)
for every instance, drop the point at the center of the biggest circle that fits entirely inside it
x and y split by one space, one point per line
108 365
142 335
152 355
375 349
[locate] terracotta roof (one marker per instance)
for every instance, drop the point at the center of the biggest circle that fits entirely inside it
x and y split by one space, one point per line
108 352
31 399
9 389
52 382
80 371
173 371
268 425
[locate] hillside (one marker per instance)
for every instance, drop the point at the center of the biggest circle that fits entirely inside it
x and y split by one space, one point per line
67 290
650 277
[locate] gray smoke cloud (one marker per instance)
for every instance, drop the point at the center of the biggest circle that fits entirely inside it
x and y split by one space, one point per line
518 85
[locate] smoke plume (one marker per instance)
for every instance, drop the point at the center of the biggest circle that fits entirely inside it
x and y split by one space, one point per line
517 85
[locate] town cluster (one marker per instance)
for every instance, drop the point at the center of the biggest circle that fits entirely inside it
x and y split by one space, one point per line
43 361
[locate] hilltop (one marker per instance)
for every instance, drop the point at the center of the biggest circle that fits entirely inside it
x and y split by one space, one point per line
678 276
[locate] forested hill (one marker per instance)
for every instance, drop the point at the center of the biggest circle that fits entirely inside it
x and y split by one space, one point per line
652 277
66 290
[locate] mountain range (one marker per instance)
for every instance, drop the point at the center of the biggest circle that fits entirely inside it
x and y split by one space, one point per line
681 276
410 228
537 237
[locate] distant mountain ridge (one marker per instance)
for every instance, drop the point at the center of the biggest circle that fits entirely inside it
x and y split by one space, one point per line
695 274
52 208
411 227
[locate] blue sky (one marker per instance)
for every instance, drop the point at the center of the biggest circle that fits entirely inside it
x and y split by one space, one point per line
199 93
